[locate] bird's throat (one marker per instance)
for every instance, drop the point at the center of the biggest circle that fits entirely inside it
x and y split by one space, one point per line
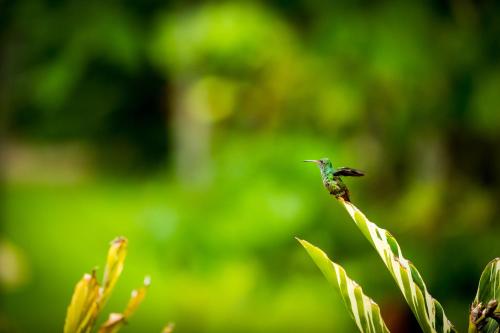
327 173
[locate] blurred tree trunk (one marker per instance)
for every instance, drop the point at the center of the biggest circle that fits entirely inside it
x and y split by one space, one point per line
192 134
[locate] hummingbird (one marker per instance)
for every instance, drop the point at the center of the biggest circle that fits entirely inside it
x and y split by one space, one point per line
331 177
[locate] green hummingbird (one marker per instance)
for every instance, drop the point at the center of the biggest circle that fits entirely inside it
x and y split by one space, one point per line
331 177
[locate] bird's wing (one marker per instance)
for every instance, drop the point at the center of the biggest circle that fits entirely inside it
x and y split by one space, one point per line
348 172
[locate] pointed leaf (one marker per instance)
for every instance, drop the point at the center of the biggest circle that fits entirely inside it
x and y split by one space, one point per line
429 313
364 311
114 267
489 283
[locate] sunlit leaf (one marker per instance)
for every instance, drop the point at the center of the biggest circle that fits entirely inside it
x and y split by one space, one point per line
114 267
117 320
364 311
83 305
89 298
486 303
429 313
136 298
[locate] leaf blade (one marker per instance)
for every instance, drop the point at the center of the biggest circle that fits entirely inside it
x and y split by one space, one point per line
489 283
427 310
364 311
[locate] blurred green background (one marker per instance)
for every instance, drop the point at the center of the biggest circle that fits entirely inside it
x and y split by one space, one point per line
182 126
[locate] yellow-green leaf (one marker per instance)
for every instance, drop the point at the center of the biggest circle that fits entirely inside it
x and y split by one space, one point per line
117 320
364 311
114 267
83 305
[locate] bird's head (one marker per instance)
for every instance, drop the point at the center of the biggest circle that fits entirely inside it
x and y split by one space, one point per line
324 164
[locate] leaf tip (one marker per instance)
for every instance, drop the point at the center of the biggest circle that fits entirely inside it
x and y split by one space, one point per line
119 240
302 242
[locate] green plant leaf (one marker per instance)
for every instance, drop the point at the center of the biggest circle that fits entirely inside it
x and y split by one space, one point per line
486 303
364 311
489 284
429 313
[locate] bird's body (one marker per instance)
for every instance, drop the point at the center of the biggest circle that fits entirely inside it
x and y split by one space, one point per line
336 187
332 178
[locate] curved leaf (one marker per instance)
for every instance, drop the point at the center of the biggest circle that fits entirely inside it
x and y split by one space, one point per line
489 283
429 313
364 311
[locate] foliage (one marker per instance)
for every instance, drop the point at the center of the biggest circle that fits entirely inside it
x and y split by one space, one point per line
89 94
485 310
364 311
427 310
90 297
484 315
429 313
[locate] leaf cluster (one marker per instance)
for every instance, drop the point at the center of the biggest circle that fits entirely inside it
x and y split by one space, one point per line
90 297
484 315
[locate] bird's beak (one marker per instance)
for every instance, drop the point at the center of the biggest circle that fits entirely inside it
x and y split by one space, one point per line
314 161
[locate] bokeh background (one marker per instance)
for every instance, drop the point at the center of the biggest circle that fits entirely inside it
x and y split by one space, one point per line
182 126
